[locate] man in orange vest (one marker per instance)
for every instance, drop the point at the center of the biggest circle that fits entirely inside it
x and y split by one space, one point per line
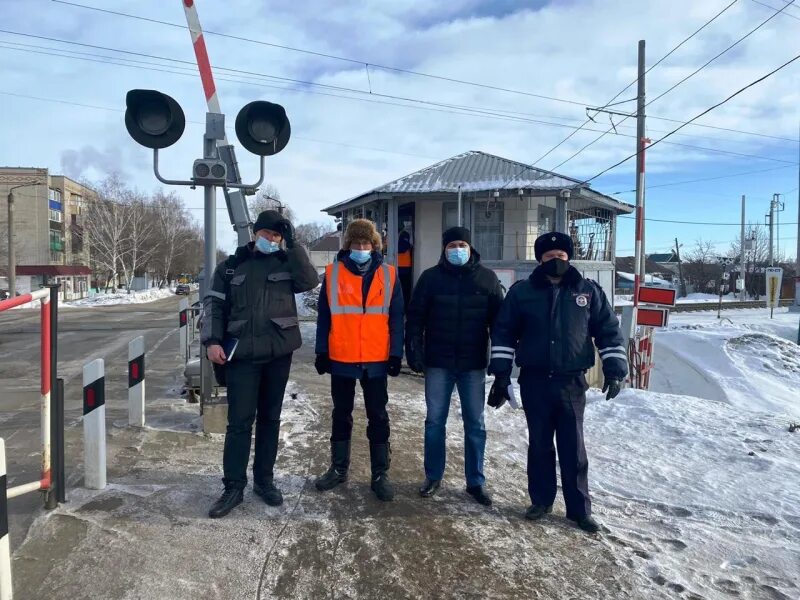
360 336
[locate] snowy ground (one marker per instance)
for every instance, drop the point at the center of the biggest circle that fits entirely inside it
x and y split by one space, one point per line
122 298
627 299
700 497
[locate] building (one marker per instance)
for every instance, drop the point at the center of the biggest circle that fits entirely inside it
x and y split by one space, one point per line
50 241
506 204
323 250
656 273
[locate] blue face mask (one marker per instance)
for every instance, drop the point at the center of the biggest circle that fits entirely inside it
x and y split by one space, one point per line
266 246
457 256
360 256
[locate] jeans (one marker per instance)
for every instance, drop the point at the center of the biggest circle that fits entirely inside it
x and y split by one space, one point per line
376 396
255 393
556 407
439 385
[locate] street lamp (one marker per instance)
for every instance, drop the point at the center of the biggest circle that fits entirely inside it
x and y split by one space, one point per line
12 258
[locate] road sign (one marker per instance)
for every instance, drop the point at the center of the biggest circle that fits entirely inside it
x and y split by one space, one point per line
657 295
774 278
652 317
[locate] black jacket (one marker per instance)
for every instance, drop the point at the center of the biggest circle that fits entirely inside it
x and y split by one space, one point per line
451 311
353 370
252 299
550 328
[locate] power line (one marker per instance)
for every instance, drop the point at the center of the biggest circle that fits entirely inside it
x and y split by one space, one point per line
691 222
787 14
705 112
360 63
437 106
660 185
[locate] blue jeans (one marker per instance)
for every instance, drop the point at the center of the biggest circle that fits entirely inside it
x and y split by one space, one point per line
439 385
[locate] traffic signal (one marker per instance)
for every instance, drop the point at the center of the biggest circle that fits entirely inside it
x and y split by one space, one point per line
153 119
209 171
263 128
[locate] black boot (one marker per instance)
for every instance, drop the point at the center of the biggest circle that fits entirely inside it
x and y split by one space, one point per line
537 511
430 487
340 463
268 492
588 524
480 495
230 499
379 455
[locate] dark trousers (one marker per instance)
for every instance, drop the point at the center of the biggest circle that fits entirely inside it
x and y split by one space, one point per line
255 393
376 395
406 276
555 407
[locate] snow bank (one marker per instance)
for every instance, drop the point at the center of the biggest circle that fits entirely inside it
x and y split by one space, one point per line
123 298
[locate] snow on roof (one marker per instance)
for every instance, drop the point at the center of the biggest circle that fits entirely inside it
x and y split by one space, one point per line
648 279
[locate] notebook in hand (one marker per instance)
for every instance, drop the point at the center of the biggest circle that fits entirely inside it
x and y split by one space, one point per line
229 346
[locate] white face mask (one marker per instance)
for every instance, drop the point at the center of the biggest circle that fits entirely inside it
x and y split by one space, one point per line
266 246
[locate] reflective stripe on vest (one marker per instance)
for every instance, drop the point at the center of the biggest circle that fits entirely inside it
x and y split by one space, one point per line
359 330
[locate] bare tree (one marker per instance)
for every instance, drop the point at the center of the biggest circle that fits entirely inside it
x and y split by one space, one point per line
141 243
269 198
308 233
107 221
701 266
173 231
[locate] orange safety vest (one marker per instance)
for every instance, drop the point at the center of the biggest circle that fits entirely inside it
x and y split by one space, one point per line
404 259
359 330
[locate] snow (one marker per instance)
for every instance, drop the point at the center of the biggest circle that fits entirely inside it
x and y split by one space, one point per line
693 298
139 297
648 279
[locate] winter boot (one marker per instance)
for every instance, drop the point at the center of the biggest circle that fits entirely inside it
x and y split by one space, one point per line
588 524
537 511
480 495
268 492
430 487
340 463
230 499
379 455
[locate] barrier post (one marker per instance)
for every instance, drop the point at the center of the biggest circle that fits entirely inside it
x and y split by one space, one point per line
59 467
136 382
5 548
94 425
183 308
55 493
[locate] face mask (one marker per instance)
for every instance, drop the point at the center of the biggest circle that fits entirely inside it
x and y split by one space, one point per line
555 267
266 246
457 256
360 256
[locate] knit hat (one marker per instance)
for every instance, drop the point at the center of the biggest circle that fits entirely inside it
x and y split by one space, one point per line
456 234
555 240
362 229
269 219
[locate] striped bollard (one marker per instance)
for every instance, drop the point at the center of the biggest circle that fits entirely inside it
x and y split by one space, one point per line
94 425
136 382
5 548
183 321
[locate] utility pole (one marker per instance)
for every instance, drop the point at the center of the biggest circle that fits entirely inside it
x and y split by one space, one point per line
680 267
770 216
12 255
741 257
796 306
640 145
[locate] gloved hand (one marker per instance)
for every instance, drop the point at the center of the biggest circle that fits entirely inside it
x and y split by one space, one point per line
613 386
393 366
498 394
322 363
286 229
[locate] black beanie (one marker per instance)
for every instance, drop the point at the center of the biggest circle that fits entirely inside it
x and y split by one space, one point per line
455 234
555 240
269 219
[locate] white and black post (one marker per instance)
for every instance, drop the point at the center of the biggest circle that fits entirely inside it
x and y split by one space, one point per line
183 321
94 425
5 548
136 382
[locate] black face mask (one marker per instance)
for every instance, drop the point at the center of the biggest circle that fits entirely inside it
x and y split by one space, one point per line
555 267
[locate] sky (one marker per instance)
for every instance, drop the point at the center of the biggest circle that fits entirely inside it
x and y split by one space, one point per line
62 104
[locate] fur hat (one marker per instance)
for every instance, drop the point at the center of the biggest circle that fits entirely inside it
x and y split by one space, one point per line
554 240
362 229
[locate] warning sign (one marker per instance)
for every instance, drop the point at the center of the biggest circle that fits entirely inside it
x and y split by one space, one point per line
774 279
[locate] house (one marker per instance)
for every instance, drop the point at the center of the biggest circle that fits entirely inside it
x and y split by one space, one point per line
323 250
655 274
51 244
506 204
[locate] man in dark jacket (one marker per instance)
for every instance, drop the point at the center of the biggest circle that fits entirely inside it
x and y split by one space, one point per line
447 335
549 322
250 311
360 337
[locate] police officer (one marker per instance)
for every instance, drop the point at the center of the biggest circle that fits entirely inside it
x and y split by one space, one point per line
549 322
360 337
250 314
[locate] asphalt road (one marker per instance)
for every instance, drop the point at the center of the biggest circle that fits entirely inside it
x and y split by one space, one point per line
85 333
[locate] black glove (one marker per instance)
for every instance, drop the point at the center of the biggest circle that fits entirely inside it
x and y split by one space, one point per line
498 395
286 229
393 366
323 363
613 386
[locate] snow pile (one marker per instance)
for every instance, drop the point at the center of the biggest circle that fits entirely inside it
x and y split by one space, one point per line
124 298
307 303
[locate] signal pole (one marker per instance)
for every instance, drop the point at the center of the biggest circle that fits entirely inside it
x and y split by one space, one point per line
741 257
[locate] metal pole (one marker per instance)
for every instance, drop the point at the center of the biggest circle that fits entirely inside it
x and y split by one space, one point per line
680 267
59 464
796 306
639 270
771 219
460 209
12 259
741 257
210 259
